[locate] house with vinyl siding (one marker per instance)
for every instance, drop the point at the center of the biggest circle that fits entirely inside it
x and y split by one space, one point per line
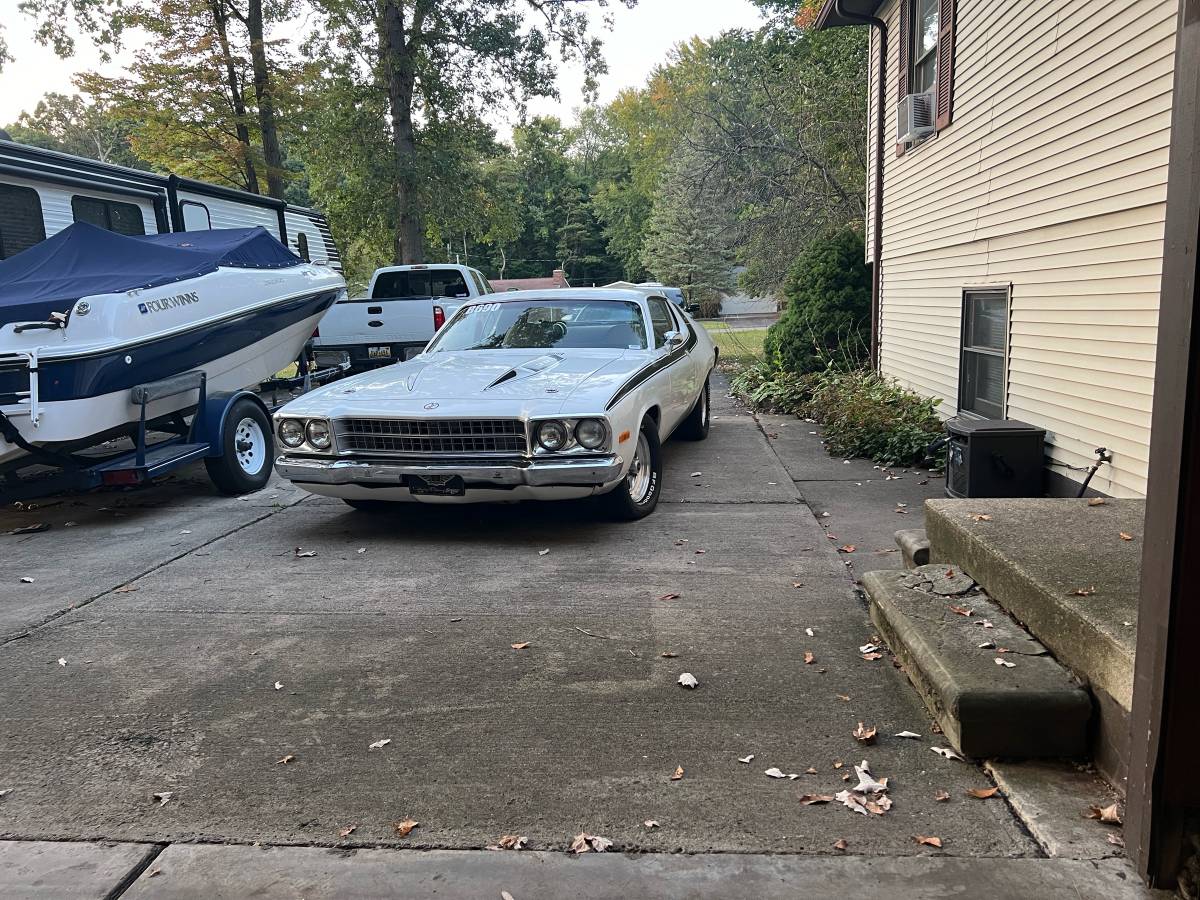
1018 246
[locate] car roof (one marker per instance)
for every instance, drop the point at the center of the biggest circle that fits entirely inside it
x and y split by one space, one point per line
564 294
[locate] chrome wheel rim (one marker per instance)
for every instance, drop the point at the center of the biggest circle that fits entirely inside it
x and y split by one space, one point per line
250 446
640 472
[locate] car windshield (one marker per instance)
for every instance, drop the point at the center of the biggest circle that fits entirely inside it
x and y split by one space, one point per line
546 324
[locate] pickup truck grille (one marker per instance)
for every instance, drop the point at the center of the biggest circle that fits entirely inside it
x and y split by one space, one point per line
419 437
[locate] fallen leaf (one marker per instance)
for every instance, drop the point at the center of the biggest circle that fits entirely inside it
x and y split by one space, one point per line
962 611
688 680
163 796
868 648
840 844
844 698
810 771
982 793
520 646
459 619
26 580
837 763
543 552
879 806
696 474
871 657
809 659
852 802
867 784
746 759
505 895
125 589
361 550
987 645
677 774
303 554
668 654
1096 501
907 734
512 841
62 661
347 831
812 799
864 735
380 744
774 772
6 792
1083 592
808 631
941 796
651 823
846 548
1109 815
947 753
980 517
797 584
1005 663
1126 536
671 596
405 828
986 624
185 531
287 759
928 840
1115 839
584 842
279 685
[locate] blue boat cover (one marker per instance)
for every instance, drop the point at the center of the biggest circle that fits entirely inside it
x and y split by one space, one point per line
82 260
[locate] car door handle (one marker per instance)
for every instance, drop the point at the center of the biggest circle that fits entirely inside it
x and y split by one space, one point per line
375 310
375 323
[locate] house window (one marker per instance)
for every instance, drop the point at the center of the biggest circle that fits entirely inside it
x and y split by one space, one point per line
112 215
922 75
21 223
984 343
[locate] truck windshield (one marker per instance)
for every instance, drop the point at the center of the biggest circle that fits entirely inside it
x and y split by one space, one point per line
545 324
420 283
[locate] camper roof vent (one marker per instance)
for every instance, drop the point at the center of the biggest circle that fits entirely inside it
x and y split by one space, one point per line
914 117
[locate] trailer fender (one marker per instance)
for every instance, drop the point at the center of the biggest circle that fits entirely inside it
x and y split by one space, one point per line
210 424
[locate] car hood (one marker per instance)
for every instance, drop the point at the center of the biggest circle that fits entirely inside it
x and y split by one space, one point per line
487 374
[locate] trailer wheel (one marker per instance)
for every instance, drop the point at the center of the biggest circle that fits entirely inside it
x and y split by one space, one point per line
247 448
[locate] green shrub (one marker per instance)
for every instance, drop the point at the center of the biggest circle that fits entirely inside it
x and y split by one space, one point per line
828 292
767 389
866 414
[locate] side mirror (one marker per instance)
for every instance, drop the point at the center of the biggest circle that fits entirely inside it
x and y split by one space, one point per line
673 338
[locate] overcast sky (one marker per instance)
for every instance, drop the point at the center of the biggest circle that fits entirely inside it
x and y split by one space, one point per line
640 40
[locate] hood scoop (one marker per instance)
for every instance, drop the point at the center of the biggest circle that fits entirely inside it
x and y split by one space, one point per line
530 367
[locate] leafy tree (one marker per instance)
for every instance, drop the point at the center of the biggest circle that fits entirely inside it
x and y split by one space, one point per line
448 60
73 124
828 292
686 245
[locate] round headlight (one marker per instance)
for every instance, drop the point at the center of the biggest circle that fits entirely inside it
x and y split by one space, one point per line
552 435
291 432
590 433
318 434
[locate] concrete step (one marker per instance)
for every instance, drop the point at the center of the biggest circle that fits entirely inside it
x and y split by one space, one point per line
1033 708
914 547
1069 572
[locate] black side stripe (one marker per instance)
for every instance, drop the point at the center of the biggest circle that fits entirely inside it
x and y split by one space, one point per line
653 369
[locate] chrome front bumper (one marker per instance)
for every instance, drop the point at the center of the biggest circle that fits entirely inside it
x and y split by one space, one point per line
593 472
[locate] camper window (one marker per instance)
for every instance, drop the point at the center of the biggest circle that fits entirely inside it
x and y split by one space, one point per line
302 246
123 218
21 223
195 216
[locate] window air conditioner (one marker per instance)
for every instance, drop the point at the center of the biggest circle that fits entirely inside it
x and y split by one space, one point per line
914 117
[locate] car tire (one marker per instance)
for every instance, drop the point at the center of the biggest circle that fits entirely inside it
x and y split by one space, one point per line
247 450
695 426
637 494
367 505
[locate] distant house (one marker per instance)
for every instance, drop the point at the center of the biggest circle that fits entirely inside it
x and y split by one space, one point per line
557 280
1024 178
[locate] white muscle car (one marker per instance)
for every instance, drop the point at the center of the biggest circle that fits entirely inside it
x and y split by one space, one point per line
528 395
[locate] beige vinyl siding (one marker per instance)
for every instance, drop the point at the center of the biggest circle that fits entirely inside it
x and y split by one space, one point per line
1051 180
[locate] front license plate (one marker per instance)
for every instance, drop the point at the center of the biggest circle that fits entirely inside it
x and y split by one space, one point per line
379 353
438 485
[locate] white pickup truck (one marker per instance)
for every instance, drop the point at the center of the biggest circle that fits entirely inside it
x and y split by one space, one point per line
404 306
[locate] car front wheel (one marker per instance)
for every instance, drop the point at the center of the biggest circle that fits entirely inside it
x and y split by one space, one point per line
637 495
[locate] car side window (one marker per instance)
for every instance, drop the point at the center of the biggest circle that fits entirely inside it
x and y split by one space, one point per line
660 319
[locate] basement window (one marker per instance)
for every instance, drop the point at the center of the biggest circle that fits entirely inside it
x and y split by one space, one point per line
983 362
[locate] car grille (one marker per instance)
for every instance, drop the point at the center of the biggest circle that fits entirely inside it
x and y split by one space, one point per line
431 436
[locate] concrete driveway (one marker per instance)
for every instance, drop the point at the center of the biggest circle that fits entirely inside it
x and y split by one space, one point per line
200 654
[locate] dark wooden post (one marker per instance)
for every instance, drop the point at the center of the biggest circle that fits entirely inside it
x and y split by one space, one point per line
1165 722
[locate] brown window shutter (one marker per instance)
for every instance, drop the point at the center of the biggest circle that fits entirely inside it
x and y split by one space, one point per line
945 64
902 73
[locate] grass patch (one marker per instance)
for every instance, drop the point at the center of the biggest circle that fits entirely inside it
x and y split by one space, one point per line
742 346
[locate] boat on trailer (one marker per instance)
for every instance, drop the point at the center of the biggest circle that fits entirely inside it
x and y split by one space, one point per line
105 335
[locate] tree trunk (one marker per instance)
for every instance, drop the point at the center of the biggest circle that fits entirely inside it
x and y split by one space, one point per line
266 102
399 69
220 22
